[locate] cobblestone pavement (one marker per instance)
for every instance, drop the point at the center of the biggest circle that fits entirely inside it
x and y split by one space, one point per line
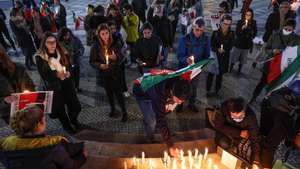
95 107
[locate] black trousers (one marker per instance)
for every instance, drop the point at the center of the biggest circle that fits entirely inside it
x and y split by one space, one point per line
123 78
209 81
112 91
75 72
66 106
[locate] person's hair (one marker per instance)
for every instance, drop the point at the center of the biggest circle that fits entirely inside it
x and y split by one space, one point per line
99 10
43 49
8 66
285 2
100 28
128 7
236 104
90 7
224 5
26 120
147 25
244 14
199 22
63 32
182 89
111 7
226 17
290 22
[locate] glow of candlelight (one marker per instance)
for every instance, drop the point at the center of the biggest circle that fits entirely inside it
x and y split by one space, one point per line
26 91
209 163
165 156
199 161
193 59
174 165
143 157
222 46
205 153
215 167
181 154
64 69
190 154
183 164
168 161
246 22
125 165
196 153
134 161
191 162
106 57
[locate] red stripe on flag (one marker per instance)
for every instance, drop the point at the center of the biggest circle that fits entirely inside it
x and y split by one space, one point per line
187 75
274 68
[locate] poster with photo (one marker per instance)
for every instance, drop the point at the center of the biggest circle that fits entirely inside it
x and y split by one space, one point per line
43 98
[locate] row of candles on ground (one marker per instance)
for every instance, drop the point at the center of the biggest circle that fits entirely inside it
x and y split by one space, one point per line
193 161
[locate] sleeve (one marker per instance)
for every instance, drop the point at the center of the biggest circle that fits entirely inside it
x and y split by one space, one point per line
231 42
62 12
268 28
254 29
239 30
44 70
254 137
221 126
207 49
94 62
170 37
269 47
150 14
181 51
214 42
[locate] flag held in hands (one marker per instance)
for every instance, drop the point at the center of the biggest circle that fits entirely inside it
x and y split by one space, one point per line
156 76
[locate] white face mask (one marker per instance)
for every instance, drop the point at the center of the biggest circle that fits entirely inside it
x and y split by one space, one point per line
238 118
285 32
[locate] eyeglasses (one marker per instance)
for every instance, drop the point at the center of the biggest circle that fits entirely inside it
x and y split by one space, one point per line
51 42
227 24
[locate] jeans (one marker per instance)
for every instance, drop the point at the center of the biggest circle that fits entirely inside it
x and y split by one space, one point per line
145 106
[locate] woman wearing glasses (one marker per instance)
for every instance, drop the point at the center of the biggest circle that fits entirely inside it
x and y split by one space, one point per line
221 44
53 66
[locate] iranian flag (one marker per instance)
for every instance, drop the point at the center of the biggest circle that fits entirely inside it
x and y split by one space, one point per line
283 68
156 76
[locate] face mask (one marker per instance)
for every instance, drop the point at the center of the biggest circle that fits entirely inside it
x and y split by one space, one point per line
285 32
238 118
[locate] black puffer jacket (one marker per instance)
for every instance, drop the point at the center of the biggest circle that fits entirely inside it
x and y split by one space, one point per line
245 35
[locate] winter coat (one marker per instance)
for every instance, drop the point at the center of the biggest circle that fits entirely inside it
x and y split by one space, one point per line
273 23
36 152
218 39
64 90
96 20
17 83
190 45
140 7
147 50
223 123
110 77
75 50
245 35
161 27
131 26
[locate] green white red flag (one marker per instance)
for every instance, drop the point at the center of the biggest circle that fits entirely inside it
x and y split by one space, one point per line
283 68
156 76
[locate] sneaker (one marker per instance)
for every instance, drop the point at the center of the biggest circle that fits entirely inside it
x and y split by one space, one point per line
193 108
133 66
126 94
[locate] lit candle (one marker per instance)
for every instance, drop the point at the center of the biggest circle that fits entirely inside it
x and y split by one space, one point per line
106 57
246 21
215 167
181 154
64 69
134 161
222 47
205 153
183 164
143 157
190 157
26 91
196 153
165 157
199 161
174 165
151 164
193 59
169 161
125 165
191 162
209 163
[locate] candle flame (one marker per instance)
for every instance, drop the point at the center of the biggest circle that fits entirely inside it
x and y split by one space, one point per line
205 153
26 91
209 163
143 157
215 167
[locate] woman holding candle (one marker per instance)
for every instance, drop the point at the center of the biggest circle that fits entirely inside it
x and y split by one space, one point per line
53 66
105 56
245 32
221 43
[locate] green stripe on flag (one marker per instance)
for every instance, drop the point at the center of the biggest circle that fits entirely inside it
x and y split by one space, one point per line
150 80
287 73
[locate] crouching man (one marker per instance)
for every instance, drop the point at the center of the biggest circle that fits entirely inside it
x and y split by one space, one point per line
158 101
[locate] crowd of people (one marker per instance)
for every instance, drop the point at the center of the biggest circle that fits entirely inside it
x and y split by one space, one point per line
134 35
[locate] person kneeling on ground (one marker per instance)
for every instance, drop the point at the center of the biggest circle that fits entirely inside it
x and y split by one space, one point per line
237 128
159 100
29 125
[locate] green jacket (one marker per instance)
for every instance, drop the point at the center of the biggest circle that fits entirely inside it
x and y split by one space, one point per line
131 26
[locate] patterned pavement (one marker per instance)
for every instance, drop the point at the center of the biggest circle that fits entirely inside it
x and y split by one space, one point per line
95 107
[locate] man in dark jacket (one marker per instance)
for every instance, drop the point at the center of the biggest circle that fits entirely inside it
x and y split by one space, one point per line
235 123
148 49
195 46
277 19
140 7
97 18
159 100
162 27
60 14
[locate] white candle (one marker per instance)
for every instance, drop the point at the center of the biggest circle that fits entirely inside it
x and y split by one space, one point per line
125 165
191 162
246 21
134 161
106 57
209 163
174 165
199 161
193 59
205 153
181 154
196 153
222 47
165 157
64 69
183 164
143 157
215 167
